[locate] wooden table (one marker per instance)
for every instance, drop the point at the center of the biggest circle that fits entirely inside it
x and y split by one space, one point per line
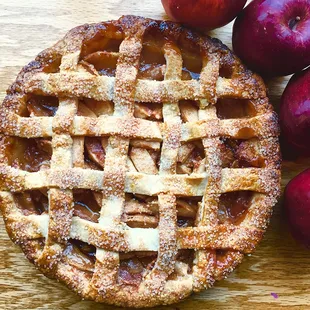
278 266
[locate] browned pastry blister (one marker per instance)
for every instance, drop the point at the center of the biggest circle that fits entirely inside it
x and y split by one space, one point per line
139 161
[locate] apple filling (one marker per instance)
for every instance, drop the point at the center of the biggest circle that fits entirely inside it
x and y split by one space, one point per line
142 211
186 211
80 255
152 62
241 154
191 158
234 108
184 264
32 202
233 207
149 111
107 37
192 57
100 49
100 52
103 62
139 210
192 64
38 105
132 266
189 110
135 265
30 155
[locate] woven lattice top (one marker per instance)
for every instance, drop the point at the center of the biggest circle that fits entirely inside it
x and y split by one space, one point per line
139 161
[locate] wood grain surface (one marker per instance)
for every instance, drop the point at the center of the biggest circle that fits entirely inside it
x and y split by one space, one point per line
278 266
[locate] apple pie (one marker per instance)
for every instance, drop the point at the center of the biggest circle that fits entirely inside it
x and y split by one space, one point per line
139 161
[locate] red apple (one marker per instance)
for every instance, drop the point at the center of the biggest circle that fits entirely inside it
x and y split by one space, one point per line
207 14
295 112
272 37
297 207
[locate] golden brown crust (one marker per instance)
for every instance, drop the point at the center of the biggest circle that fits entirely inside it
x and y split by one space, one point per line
69 71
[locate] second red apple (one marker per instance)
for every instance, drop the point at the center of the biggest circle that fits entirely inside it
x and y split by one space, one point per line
207 14
272 37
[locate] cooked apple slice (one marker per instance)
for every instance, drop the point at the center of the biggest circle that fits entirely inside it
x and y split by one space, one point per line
189 111
143 161
99 107
95 150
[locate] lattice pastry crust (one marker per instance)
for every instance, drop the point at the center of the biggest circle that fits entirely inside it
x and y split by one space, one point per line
139 161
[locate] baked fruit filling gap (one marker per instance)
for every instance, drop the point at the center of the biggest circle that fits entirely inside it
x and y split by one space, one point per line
241 153
134 266
38 105
192 58
233 206
152 64
234 108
